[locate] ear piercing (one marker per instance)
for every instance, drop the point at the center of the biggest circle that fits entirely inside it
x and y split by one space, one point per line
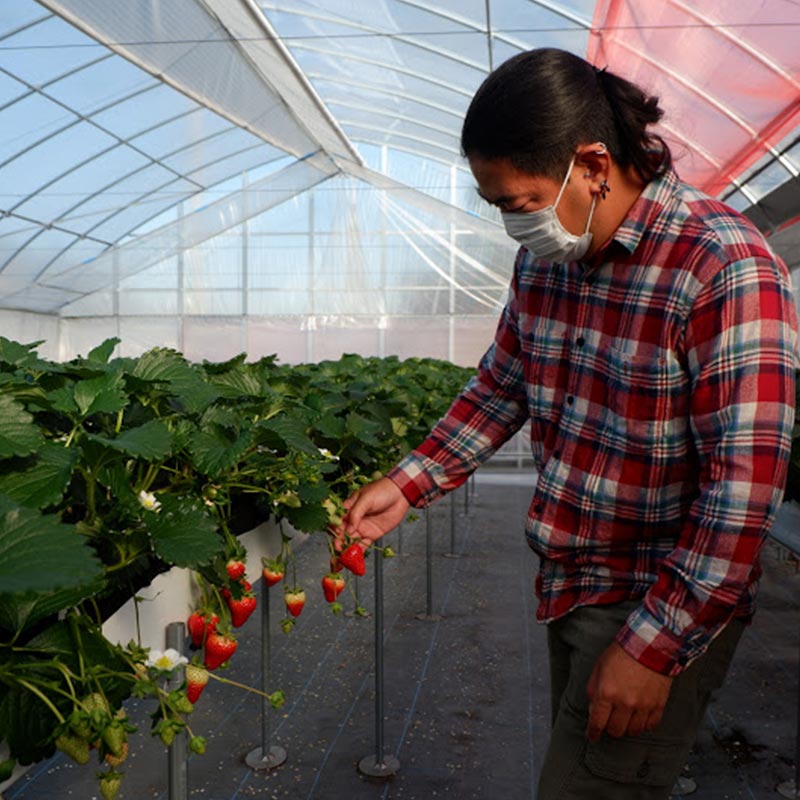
604 188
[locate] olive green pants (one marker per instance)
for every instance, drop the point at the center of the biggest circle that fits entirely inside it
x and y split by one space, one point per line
628 768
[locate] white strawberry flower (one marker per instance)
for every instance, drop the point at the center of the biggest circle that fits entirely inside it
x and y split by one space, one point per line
148 501
166 661
327 453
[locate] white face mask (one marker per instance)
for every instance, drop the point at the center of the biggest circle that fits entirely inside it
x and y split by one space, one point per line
542 233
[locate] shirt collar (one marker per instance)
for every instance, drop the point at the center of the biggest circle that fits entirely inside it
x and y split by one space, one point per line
655 196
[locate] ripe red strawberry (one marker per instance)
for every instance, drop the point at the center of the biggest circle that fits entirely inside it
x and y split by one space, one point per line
295 599
235 569
241 609
332 585
196 680
273 572
200 625
245 587
353 559
219 648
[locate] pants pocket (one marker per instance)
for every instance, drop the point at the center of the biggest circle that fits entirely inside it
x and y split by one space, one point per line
643 760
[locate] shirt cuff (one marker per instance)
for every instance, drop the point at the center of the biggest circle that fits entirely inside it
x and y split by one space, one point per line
415 480
645 638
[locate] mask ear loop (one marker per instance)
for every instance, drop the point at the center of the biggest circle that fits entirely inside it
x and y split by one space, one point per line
566 180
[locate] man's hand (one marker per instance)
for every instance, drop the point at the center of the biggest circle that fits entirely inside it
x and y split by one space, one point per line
374 510
625 697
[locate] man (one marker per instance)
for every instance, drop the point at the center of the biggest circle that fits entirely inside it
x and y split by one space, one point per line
649 339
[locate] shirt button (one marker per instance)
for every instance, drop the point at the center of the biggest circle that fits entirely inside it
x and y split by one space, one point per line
580 341
538 508
570 400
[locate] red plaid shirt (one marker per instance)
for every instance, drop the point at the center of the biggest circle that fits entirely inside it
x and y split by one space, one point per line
659 385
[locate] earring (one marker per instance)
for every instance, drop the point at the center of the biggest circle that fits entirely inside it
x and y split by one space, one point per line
604 188
587 174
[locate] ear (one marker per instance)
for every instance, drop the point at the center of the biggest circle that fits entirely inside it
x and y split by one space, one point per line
595 162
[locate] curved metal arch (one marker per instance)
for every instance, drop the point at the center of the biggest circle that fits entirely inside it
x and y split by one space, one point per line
348 23
141 199
389 67
355 126
392 115
501 37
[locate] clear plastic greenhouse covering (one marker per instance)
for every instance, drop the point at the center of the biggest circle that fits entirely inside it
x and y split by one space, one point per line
285 177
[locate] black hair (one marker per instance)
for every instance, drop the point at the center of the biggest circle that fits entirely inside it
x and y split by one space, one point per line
539 106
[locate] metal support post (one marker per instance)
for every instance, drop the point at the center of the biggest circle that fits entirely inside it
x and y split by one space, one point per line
268 756
428 616
453 515
379 765
177 771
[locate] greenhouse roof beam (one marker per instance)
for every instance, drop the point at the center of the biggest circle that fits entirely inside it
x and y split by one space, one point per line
250 102
195 228
453 151
478 27
359 26
412 73
392 114
387 92
296 85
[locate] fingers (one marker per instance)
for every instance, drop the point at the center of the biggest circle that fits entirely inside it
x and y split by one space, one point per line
637 725
599 715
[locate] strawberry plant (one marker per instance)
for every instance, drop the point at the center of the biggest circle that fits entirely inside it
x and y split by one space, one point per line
113 470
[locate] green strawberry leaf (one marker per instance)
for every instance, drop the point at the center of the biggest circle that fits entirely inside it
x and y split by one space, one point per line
290 431
103 351
20 611
151 441
365 430
40 481
103 394
19 436
39 553
330 426
182 532
309 518
214 452
313 492
18 354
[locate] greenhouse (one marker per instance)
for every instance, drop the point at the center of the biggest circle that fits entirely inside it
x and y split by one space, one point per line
245 269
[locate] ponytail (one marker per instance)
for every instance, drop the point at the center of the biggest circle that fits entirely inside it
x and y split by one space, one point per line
539 106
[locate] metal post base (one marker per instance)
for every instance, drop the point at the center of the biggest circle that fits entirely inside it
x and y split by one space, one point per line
426 618
386 767
789 790
682 787
275 757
